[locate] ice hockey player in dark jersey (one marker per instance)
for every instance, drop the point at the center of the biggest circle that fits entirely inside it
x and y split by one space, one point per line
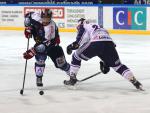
47 39
93 40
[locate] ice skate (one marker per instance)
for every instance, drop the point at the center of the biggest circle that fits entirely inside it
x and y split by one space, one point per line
72 80
137 84
39 81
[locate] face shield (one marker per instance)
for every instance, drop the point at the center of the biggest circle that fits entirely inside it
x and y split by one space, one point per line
27 22
46 16
46 20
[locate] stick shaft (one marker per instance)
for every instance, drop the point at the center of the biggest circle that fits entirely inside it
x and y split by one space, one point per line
25 69
89 77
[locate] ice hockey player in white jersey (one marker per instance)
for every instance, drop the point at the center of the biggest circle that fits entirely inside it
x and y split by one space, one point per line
46 36
93 40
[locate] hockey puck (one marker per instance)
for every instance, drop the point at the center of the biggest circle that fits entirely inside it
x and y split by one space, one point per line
41 92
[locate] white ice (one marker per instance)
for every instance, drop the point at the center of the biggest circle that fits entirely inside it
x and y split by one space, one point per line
109 93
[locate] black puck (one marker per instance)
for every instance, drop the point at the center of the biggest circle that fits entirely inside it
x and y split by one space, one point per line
41 92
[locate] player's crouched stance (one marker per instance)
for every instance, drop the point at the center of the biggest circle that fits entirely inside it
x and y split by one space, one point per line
46 37
93 40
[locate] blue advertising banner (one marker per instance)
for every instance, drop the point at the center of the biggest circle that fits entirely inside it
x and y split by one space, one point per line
133 18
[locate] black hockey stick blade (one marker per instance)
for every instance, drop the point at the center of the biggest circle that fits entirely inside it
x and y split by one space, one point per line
141 88
89 77
21 91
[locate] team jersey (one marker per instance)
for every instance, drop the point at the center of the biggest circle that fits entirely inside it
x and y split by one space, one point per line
51 30
91 33
40 32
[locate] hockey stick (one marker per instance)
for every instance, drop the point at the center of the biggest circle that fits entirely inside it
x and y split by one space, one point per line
89 77
21 91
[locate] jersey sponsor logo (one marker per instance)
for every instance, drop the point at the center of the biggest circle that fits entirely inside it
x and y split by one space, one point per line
58 12
129 18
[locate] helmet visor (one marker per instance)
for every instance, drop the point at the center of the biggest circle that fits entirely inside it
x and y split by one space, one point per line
45 20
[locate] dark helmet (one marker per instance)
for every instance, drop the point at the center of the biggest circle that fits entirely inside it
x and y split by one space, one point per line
47 13
80 23
81 20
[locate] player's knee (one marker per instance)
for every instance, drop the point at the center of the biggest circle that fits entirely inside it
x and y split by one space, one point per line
40 48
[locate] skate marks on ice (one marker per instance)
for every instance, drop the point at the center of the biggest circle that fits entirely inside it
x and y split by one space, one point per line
76 101
90 85
90 97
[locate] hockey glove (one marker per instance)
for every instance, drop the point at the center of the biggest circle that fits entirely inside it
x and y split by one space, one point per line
104 68
69 50
57 41
71 47
29 54
27 32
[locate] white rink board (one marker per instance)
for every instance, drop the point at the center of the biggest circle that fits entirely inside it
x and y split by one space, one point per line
148 16
65 17
73 14
11 16
107 17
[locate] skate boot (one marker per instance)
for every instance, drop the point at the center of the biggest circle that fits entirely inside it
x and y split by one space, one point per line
137 84
39 81
72 80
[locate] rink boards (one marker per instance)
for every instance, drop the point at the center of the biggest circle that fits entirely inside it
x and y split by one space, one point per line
117 19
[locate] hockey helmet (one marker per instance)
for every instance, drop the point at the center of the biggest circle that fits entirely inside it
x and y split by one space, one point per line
80 23
81 20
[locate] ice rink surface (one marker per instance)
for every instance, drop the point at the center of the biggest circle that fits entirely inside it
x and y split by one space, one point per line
109 93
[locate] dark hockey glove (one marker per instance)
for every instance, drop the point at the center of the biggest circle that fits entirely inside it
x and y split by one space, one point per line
57 41
29 54
71 47
104 68
27 32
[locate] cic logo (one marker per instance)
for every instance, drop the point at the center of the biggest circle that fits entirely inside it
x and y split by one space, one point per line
129 18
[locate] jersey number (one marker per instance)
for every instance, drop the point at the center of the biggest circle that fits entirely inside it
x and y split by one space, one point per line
95 27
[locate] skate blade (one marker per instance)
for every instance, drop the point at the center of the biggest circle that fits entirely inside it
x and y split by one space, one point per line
71 87
141 89
40 90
